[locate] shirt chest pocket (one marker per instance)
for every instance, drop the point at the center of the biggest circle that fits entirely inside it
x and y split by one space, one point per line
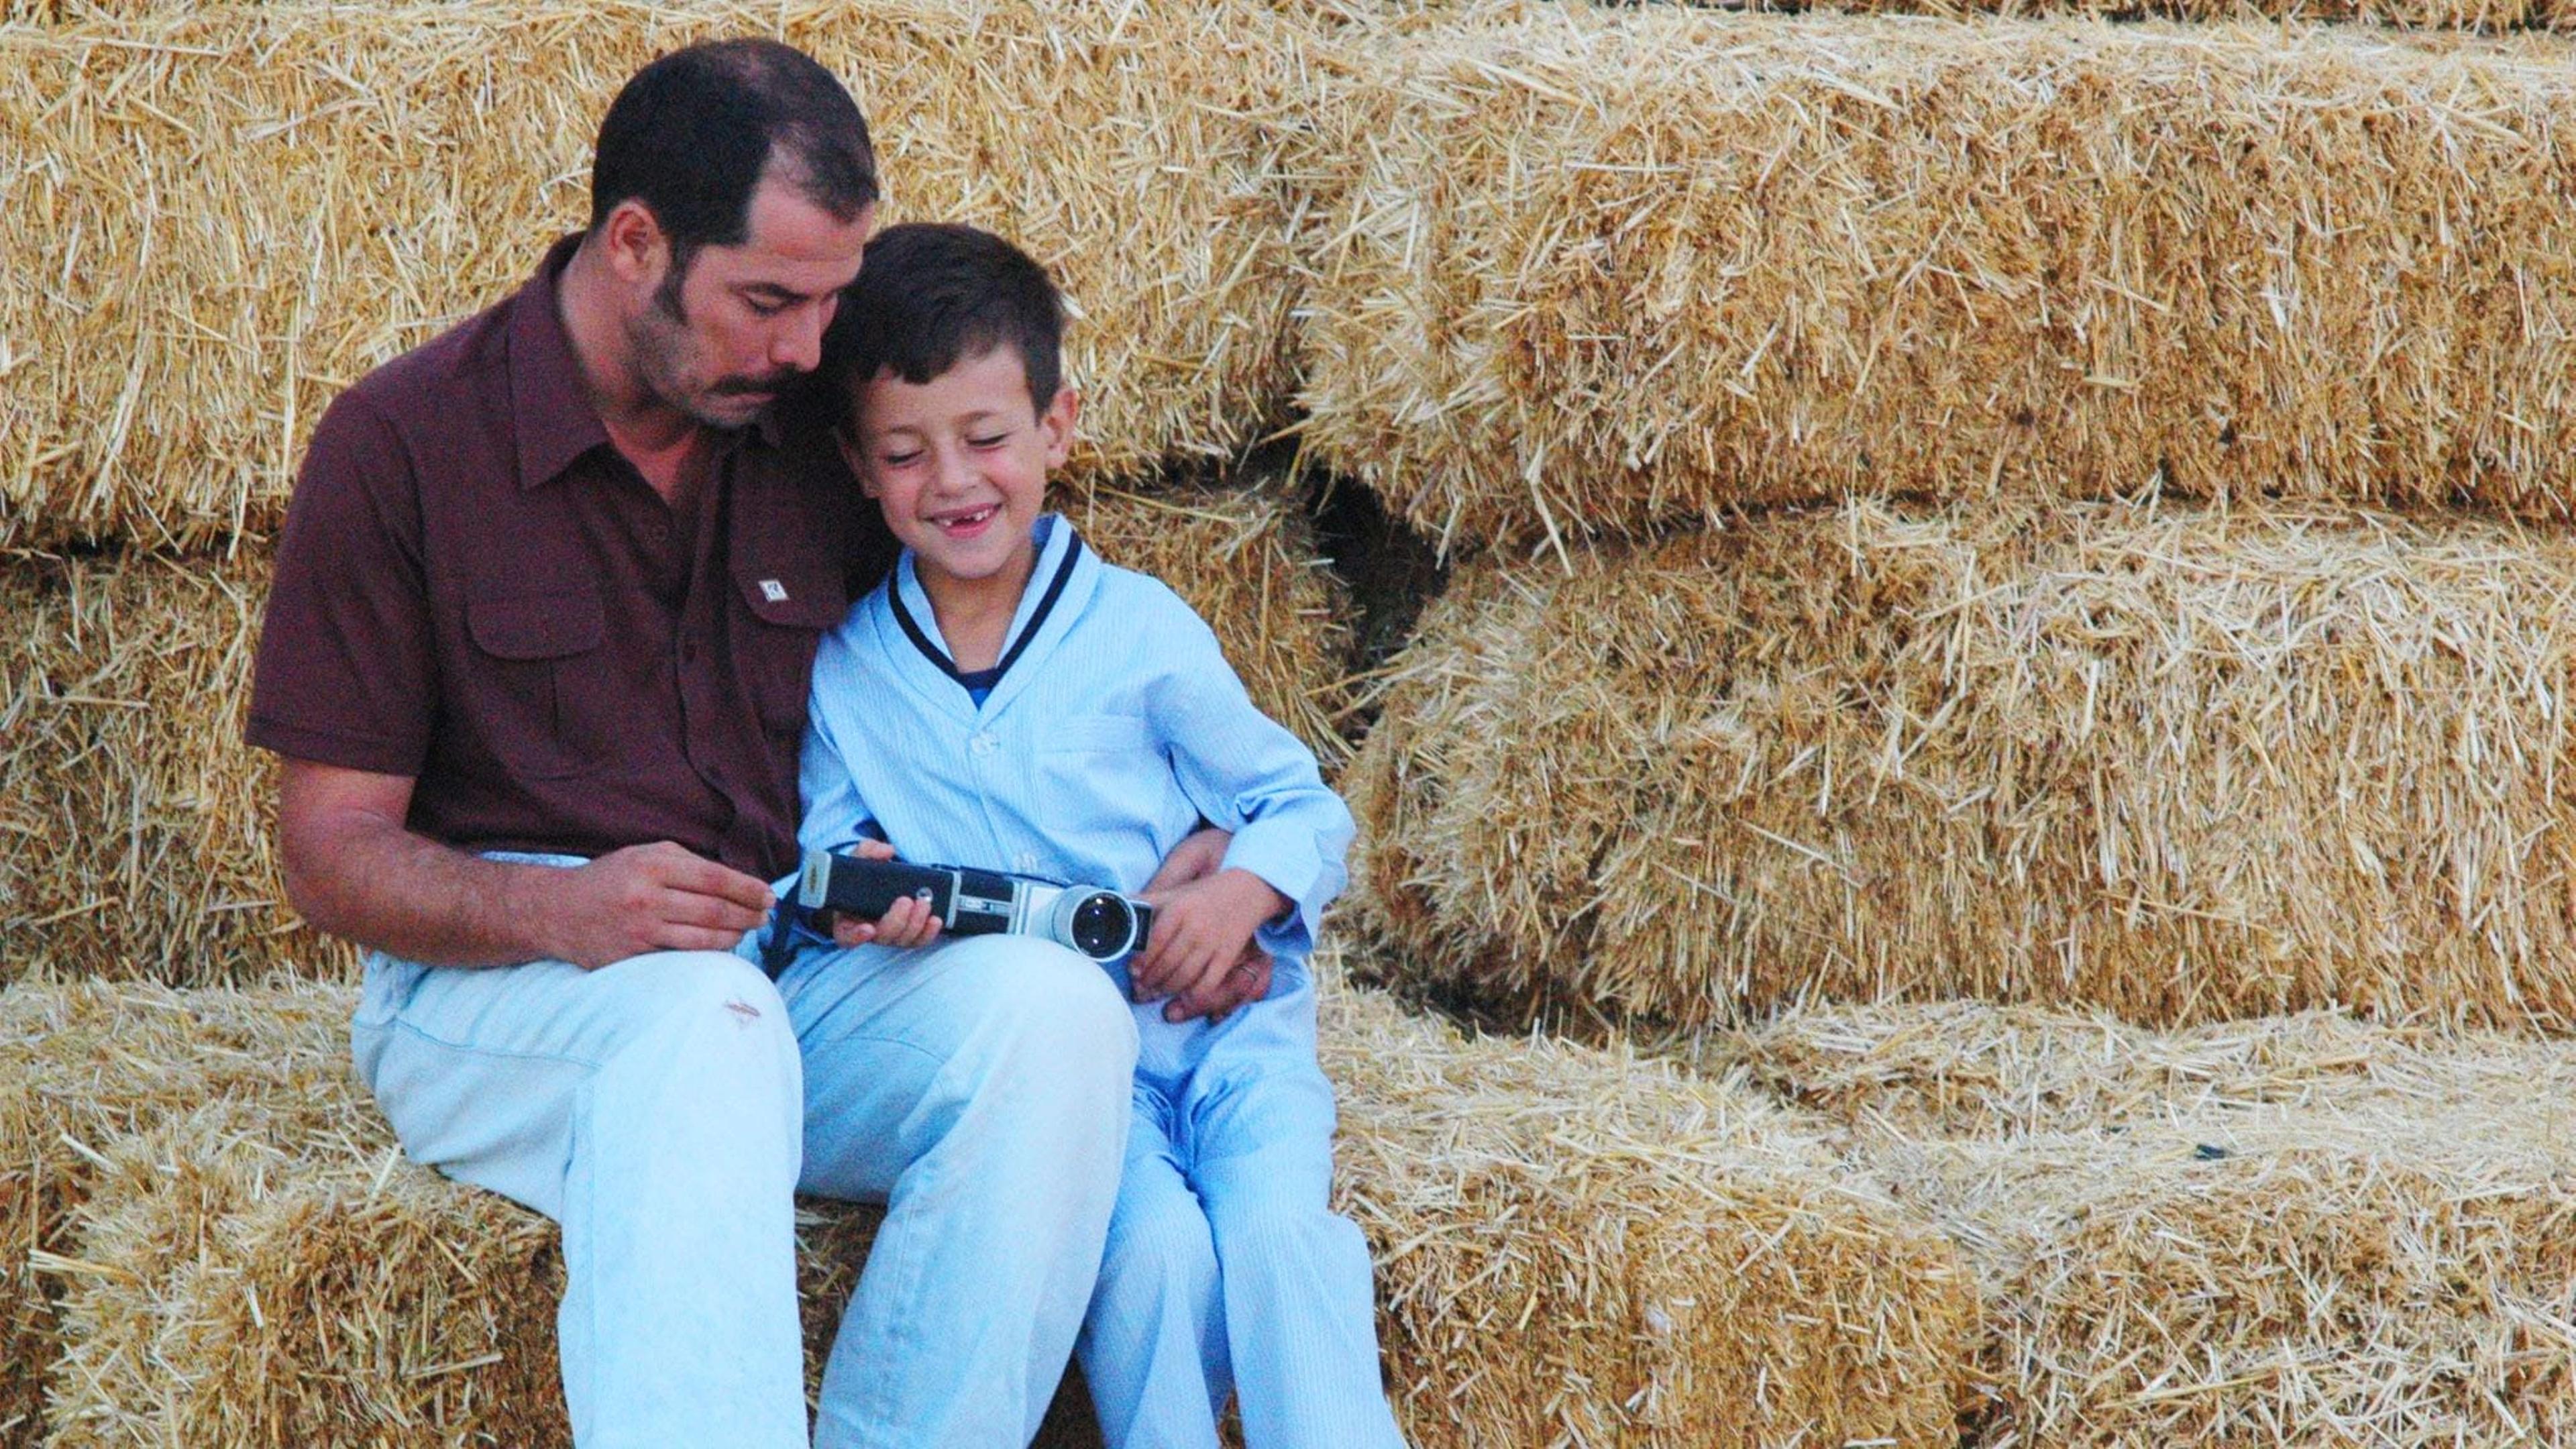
791 613
1108 734
1107 770
541 681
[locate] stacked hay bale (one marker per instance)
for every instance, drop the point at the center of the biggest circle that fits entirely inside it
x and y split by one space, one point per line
2176 763
238 210
2302 1230
1576 1246
139 820
1585 277
1680 1263
1586 272
84 1067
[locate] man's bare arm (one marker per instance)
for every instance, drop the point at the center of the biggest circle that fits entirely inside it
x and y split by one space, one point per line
353 870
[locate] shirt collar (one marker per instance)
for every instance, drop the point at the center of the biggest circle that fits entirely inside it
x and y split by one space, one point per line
550 411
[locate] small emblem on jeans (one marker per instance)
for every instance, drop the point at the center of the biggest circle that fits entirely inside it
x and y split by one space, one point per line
774 591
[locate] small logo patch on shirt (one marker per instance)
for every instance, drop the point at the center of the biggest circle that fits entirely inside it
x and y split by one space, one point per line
774 591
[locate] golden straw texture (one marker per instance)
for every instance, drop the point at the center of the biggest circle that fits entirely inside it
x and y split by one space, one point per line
2298 1231
2177 764
1570 1242
84 1066
143 826
1580 1247
1585 272
222 216
137 825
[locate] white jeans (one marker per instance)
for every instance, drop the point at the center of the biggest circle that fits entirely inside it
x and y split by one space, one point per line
665 1108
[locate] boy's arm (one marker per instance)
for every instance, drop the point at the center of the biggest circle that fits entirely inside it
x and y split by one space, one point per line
1247 774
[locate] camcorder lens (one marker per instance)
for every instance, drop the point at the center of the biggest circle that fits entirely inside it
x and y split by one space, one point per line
1103 926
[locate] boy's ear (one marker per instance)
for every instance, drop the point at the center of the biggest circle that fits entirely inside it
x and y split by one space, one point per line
1056 425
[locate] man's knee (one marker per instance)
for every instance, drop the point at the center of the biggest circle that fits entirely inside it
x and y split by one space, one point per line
1050 1011
683 987
712 1019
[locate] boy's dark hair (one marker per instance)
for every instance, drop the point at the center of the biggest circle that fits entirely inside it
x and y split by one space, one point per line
930 295
691 134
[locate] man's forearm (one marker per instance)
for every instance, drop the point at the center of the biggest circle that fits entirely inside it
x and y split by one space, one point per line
373 882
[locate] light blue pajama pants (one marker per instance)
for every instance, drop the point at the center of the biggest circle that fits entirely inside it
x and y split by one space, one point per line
663 1110
1226 1270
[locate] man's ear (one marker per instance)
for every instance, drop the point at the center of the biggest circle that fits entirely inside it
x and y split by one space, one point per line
1056 425
633 244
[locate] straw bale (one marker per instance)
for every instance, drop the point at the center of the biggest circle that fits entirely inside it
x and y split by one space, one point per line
1246 560
1570 1242
82 1066
2175 764
1585 272
138 824
2488 15
1972 1068
229 213
1577 1246
2295 1231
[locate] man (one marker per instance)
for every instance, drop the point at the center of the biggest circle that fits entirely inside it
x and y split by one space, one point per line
536 660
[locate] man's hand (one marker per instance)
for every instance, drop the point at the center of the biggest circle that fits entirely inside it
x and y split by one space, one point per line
1248 979
906 924
356 871
645 898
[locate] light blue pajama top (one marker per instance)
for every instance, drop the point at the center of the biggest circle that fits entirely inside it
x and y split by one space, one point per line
1115 727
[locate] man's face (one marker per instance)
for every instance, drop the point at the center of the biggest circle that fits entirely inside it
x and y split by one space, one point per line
744 321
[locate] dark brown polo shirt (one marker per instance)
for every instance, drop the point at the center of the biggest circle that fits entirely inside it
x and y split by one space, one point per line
475 589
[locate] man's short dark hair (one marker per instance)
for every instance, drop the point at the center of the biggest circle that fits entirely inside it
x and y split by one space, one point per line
691 135
930 295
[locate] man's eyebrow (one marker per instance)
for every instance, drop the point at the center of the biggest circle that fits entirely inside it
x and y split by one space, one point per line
773 290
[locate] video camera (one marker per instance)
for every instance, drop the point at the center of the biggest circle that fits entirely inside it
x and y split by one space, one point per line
1101 924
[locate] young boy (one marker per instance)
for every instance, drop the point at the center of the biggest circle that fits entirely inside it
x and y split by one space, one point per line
1007 701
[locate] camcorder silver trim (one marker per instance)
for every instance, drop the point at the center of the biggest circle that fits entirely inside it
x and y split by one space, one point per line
1091 921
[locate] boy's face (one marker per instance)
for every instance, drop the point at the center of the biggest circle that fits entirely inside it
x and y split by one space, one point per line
960 463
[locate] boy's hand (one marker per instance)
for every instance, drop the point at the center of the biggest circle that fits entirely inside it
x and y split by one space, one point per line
1200 932
906 924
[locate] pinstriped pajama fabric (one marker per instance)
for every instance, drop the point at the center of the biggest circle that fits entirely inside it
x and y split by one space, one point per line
1115 731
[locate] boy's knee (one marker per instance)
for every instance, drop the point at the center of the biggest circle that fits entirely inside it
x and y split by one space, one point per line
1161 1249
1269 1227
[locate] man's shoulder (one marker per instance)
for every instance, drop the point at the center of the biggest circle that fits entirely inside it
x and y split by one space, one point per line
457 369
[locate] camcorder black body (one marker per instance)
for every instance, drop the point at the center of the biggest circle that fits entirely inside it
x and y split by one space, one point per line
1101 924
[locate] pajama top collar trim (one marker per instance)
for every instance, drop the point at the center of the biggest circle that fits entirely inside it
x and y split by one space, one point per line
1046 612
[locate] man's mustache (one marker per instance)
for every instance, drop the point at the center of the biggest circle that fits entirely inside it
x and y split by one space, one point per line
775 382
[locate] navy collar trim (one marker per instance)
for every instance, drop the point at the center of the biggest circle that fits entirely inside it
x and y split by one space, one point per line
988 678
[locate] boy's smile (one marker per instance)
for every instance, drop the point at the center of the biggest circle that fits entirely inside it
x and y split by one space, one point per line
959 465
